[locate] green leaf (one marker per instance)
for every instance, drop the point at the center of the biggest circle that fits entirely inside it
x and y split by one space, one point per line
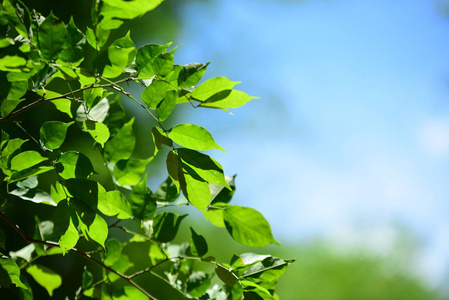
154 93
113 12
98 113
174 168
232 100
15 176
213 86
52 35
167 105
142 202
87 279
162 64
89 191
221 194
9 273
226 275
266 273
65 227
57 192
64 106
115 205
159 139
145 57
120 54
74 165
74 44
193 137
198 283
8 106
98 131
195 189
166 225
92 96
91 224
129 172
53 133
248 227
25 160
121 145
46 277
191 74
205 166
198 245
167 191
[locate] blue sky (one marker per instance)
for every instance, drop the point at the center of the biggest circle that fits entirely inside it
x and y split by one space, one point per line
352 126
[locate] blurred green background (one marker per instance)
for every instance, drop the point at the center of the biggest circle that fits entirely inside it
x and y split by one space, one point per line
363 262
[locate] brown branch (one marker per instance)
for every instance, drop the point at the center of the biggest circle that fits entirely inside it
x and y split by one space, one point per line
64 96
74 250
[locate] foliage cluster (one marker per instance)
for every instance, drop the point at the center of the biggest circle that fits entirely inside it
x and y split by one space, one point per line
42 63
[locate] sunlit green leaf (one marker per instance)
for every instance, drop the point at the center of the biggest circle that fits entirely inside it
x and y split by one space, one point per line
213 86
115 205
130 171
166 226
220 194
8 106
232 100
120 55
26 160
248 227
145 57
121 145
255 291
52 35
98 131
266 273
74 165
57 192
64 106
92 96
89 191
65 226
162 64
113 12
193 137
9 273
46 277
154 93
205 166
191 74
53 133
91 224
195 189
142 201
167 105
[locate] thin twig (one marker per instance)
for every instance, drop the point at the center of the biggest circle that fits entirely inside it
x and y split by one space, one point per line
64 96
74 250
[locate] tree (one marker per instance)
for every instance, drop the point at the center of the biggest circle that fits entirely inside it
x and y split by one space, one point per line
65 206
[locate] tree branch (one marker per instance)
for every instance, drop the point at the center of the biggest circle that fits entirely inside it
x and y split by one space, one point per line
76 251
